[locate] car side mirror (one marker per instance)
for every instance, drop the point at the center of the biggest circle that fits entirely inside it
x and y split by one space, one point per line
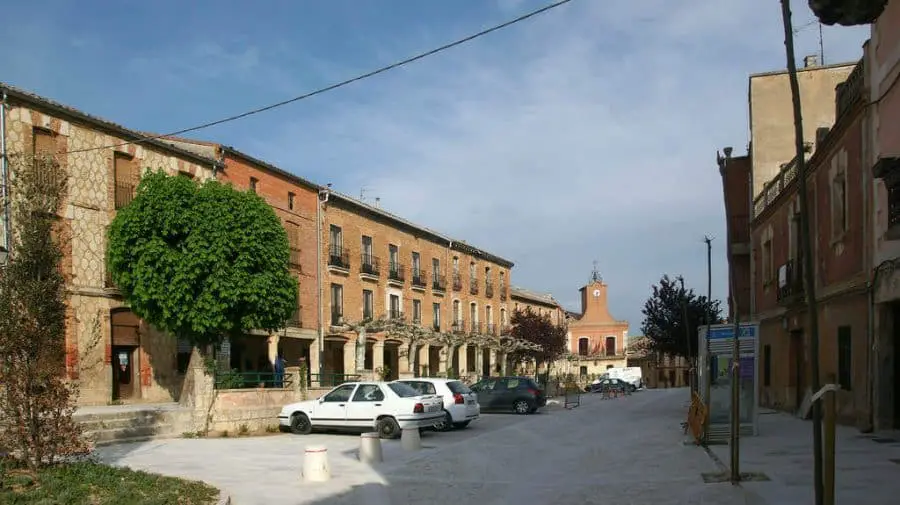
321 399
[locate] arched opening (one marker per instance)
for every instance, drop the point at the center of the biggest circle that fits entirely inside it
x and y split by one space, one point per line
583 346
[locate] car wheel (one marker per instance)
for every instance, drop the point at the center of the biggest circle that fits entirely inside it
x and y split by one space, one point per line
462 425
521 407
300 424
388 428
445 424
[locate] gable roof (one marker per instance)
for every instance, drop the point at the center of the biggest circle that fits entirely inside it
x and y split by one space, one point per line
56 109
532 296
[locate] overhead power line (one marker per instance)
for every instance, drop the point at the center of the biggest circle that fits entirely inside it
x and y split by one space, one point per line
336 85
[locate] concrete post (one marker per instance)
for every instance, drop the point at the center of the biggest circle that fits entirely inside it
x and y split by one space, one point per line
410 439
315 464
370 448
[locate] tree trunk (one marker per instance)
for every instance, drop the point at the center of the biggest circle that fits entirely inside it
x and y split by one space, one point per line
361 350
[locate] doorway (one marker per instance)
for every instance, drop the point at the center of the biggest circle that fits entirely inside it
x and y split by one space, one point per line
123 372
434 360
798 367
895 312
486 362
125 335
391 360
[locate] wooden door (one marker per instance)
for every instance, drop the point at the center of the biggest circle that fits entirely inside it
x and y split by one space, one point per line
123 372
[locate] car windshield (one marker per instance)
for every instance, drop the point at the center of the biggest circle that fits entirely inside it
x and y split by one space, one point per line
403 390
457 387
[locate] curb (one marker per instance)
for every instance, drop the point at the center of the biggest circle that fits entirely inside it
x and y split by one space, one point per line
224 498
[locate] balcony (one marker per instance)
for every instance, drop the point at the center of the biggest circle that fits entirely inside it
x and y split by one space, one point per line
850 91
457 282
395 314
338 259
790 282
337 318
124 194
491 329
294 259
473 286
503 293
438 283
419 279
458 326
396 273
369 266
475 328
505 329
888 169
489 289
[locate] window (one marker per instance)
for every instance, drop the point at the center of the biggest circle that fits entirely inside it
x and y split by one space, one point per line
457 315
395 307
368 304
767 365
767 261
291 201
472 274
43 142
416 264
488 315
456 264
435 267
582 371
253 182
293 233
839 207
403 390
368 393
423 388
503 316
583 346
340 394
436 315
336 237
417 311
473 312
125 177
337 304
367 255
394 257
487 275
794 227
610 346
845 358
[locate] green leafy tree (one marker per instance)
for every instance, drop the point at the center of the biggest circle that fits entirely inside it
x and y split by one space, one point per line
201 261
664 322
36 400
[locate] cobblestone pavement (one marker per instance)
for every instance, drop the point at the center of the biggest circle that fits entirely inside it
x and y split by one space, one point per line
625 451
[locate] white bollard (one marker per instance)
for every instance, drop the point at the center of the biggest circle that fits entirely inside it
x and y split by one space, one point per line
370 448
315 464
410 439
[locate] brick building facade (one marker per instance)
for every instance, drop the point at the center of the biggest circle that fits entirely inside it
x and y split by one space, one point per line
597 341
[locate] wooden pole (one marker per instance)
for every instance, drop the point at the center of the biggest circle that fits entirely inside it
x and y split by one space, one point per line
807 264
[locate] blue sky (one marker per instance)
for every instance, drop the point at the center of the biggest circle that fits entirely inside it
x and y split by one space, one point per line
587 133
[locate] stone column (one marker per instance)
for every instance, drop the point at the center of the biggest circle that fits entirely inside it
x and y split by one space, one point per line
350 357
424 359
463 351
446 359
315 380
377 357
404 360
479 360
493 358
274 339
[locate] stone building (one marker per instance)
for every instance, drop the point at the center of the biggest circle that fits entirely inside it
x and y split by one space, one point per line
597 341
113 355
379 265
882 164
659 370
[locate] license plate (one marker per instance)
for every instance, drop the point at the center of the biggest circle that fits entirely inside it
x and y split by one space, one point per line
471 402
433 408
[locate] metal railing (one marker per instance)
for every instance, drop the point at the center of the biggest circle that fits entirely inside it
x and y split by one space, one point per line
369 264
503 292
491 329
235 379
473 286
396 272
332 379
419 278
792 286
124 194
458 326
457 282
395 314
489 289
475 327
338 257
849 91
438 282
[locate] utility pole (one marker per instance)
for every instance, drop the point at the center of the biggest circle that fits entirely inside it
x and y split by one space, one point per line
805 251
708 364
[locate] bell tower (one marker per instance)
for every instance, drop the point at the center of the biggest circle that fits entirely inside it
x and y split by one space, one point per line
594 302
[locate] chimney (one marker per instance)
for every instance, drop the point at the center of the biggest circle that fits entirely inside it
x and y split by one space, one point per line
811 61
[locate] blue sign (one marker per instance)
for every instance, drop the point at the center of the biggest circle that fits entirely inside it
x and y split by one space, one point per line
748 330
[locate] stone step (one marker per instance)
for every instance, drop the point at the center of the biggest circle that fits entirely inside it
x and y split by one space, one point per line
132 440
116 434
121 423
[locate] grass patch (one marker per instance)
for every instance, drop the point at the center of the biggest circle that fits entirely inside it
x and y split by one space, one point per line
96 484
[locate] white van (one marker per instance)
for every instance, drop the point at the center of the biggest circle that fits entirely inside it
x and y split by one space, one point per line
630 374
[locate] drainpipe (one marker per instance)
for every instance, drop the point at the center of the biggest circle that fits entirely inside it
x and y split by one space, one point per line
4 178
321 198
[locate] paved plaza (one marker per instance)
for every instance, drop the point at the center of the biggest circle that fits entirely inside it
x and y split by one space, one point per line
625 451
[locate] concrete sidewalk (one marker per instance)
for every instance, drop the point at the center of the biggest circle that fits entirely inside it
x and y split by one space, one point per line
867 467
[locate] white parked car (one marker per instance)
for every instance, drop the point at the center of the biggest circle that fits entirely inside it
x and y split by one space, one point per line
385 407
461 405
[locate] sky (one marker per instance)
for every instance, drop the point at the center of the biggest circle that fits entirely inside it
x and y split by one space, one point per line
588 133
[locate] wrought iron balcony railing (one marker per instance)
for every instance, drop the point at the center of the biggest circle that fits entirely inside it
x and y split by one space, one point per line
369 264
438 282
396 314
397 272
473 286
338 257
790 282
419 278
458 326
489 289
457 282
